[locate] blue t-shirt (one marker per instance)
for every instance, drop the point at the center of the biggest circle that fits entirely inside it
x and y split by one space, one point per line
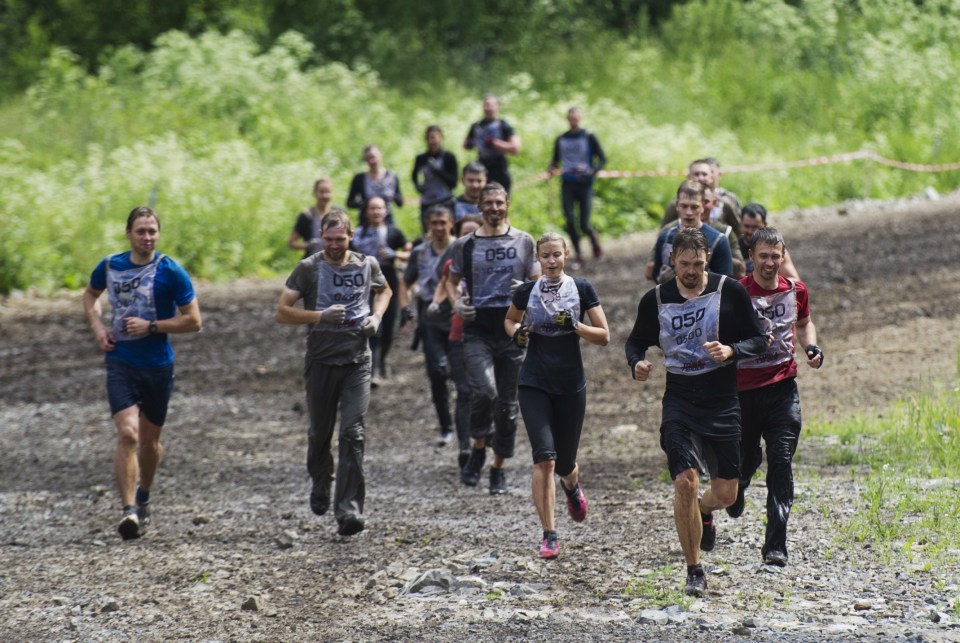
554 364
171 289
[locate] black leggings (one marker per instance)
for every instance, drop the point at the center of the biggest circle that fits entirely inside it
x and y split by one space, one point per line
553 423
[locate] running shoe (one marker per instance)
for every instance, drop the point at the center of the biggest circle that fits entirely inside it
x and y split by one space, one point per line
143 515
696 583
576 502
350 525
775 557
736 509
550 546
470 473
129 526
498 482
463 455
446 437
319 502
709 537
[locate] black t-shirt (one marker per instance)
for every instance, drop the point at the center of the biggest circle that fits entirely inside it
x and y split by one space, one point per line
553 363
739 328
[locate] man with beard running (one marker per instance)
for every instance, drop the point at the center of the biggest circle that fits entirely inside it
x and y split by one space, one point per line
335 286
704 323
767 385
492 261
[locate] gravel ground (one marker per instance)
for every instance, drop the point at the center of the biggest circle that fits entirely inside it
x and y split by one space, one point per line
234 553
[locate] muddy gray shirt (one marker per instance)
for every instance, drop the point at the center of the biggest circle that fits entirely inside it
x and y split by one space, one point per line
321 285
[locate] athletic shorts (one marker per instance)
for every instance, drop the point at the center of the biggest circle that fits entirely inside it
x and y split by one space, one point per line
705 437
149 388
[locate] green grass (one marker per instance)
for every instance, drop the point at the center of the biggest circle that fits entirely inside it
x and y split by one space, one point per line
906 464
226 140
659 587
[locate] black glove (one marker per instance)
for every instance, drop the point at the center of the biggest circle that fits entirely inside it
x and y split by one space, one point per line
566 320
813 351
521 336
406 316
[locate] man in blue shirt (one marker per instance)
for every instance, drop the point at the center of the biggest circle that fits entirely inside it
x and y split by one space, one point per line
146 291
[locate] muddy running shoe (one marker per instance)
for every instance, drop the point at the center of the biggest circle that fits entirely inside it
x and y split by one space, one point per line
576 502
498 482
319 502
129 526
736 509
775 557
696 581
143 515
350 525
470 473
550 546
709 537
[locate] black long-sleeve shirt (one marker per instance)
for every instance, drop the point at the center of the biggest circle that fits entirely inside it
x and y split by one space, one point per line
739 328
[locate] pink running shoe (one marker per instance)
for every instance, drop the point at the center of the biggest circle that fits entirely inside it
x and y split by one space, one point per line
550 547
576 503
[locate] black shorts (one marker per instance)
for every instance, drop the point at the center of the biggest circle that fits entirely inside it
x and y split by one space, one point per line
702 436
150 388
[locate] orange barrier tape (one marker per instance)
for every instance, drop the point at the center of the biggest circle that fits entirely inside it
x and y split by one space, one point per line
862 155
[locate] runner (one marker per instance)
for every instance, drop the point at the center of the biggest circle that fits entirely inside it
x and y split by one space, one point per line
577 157
473 179
727 208
385 242
376 181
767 384
335 285
306 230
690 205
146 291
703 322
492 262
438 169
710 202
494 139
421 275
547 316
458 366
754 218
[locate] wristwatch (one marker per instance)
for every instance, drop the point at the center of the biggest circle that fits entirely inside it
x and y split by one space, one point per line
152 328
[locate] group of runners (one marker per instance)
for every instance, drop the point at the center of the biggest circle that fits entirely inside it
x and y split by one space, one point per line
497 314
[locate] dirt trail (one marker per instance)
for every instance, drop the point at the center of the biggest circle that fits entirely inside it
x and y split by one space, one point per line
440 561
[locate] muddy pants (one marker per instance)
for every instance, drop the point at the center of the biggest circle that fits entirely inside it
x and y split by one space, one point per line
345 386
772 413
580 194
435 339
458 371
493 370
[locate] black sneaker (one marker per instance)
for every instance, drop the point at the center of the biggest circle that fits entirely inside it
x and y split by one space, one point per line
470 473
709 537
696 583
129 526
143 515
350 525
775 557
498 482
319 503
736 509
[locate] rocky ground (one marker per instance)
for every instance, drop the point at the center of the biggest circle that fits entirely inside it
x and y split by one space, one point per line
235 554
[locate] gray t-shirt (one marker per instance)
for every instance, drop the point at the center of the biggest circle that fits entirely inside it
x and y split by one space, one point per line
350 285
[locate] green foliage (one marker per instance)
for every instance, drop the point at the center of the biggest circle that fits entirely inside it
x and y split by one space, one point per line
225 137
